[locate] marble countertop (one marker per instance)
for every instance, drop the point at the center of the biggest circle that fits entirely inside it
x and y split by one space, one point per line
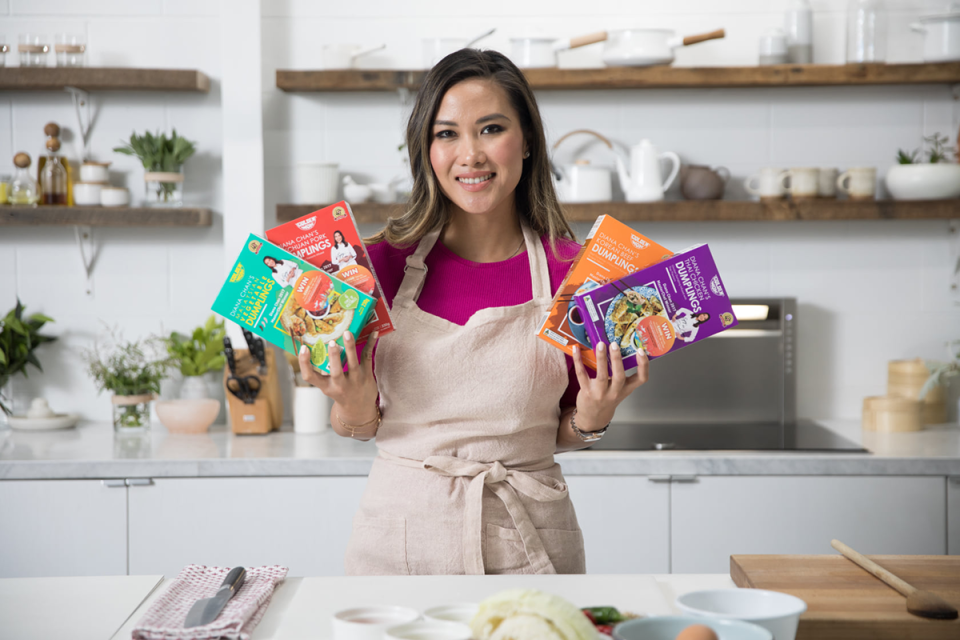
91 450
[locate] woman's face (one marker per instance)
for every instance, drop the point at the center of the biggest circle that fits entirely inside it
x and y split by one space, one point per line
270 262
337 237
702 317
477 146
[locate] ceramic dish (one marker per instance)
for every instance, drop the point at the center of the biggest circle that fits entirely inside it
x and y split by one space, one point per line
777 612
58 421
369 623
460 612
667 628
429 630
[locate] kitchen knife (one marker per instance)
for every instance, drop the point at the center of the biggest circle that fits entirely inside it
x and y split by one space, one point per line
228 353
206 610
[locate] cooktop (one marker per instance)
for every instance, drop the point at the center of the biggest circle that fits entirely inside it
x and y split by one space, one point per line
803 435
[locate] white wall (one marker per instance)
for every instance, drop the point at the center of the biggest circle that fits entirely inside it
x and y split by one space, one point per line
869 291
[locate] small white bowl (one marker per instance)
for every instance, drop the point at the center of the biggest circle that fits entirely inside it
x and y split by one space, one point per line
94 172
461 612
939 181
777 612
114 197
369 623
86 193
429 630
667 628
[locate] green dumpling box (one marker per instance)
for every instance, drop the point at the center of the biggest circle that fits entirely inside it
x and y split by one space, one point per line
289 302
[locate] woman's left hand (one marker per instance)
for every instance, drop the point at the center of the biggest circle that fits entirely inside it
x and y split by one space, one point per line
599 397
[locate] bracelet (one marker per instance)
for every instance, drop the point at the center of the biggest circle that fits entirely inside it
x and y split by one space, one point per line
354 428
586 436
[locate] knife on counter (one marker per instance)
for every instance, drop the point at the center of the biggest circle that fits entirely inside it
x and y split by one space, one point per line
206 610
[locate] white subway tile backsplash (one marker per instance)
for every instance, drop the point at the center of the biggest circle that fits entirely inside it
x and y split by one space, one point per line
86 8
158 42
191 8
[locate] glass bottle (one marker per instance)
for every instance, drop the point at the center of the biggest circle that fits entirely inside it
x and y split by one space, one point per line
23 189
53 177
4 189
52 130
798 24
866 31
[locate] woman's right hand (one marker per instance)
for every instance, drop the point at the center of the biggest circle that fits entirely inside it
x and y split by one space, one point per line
354 392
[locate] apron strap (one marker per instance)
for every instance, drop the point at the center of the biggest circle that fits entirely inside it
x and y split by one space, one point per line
539 268
415 271
505 484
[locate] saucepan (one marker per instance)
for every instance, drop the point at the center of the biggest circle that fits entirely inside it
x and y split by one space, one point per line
540 51
436 49
343 56
644 47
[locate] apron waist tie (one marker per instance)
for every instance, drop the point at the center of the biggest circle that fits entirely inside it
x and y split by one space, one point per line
505 483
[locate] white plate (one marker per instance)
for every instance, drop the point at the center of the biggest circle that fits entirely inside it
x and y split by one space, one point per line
59 421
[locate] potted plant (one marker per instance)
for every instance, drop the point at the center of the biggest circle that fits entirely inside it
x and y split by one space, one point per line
19 339
936 179
162 159
132 371
196 355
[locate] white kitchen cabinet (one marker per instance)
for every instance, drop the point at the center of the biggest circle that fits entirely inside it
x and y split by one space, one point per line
625 522
953 515
300 523
62 528
717 516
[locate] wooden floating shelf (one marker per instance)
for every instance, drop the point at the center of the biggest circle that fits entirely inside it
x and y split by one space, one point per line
656 77
11 215
102 79
703 210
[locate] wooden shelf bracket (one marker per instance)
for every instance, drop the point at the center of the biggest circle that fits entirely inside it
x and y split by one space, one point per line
89 250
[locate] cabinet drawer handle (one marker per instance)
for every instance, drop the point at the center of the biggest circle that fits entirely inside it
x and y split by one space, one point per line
139 482
684 478
658 478
113 484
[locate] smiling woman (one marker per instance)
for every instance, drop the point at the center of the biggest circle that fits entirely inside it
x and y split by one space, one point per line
468 407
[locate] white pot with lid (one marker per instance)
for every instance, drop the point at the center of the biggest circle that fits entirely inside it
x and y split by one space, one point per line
941 35
537 51
582 181
645 47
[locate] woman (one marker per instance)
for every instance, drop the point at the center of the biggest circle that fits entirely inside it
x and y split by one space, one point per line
342 254
685 323
285 272
472 405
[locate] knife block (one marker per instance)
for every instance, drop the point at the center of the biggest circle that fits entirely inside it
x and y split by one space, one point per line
266 412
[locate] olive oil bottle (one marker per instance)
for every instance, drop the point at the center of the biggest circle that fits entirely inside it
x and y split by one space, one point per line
54 172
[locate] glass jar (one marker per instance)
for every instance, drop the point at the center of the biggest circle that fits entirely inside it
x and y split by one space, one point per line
164 188
5 181
70 49
33 50
4 48
23 188
866 31
131 414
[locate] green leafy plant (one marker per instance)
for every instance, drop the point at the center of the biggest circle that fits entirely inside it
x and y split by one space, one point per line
937 151
200 352
939 371
160 153
19 338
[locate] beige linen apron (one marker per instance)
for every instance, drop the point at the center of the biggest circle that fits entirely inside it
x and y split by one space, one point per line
465 481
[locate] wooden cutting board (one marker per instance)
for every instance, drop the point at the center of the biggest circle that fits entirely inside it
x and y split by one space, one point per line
844 601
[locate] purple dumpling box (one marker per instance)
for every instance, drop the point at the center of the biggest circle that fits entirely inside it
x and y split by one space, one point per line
660 309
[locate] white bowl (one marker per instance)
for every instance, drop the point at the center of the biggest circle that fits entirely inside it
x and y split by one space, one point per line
429 630
667 628
86 193
188 415
924 181
114 197
369 623
460 612
777 612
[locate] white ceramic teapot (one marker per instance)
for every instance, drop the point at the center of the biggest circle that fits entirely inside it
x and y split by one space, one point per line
643 182
581 181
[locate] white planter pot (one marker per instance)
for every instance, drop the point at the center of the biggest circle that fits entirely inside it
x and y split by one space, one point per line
924 181
194 388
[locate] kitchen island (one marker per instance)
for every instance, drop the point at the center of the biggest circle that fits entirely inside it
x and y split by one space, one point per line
125 500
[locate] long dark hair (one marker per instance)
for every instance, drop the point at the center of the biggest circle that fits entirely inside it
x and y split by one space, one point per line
342 237
275 262
536 199
697 319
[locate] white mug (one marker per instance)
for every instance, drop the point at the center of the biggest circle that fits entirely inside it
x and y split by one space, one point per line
316 183
803 182
311 410
769 183
859 183
827 184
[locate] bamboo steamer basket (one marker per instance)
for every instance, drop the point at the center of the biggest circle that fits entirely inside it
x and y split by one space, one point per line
905 378
886 414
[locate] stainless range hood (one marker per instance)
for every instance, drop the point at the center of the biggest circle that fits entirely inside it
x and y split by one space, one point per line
735 390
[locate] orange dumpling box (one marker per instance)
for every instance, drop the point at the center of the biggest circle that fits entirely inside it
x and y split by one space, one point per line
329 240
611 251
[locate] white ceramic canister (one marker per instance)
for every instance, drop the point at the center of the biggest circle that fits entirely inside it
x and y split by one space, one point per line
86 193
311 410
316 183
114 196
941 35
94 172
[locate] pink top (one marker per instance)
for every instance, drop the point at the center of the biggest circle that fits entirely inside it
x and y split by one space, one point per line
456 288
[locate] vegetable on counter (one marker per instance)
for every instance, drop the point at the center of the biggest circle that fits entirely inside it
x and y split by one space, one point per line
606 618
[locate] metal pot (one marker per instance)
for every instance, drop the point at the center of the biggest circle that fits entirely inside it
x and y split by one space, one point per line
644 47
581 181
941 35
540 51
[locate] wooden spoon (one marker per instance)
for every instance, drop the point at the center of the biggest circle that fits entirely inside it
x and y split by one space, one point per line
925 604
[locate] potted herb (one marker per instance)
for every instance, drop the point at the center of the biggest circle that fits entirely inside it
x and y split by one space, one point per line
937 178
196 355
940 371
162 159
19 339
132 371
